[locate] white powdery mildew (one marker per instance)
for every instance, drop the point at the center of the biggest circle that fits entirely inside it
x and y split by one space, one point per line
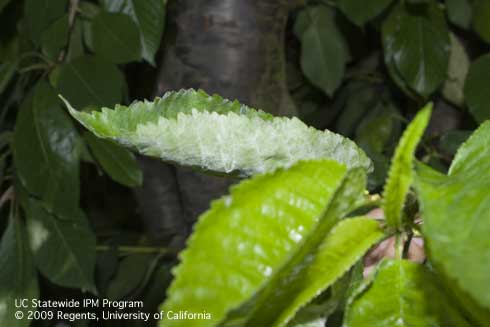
232 142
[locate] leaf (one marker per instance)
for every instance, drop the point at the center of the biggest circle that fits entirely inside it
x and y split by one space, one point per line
241 245
459 13
130 274
3 4
117 162
149 16
418 43
401 173
91 80
64 250
452 140
456 212
475 89
116 37
323 48
360 12
18 278
55 38
40 14
481 19
459 64
403 293
194 129
46 151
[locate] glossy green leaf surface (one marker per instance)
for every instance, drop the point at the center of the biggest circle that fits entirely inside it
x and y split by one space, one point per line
149 16
90 80
475 89
241 244
64 250
116 37
360 12
117 162
46 152
404 294
417 41
456 213
324 51
401 173
192 128
18 279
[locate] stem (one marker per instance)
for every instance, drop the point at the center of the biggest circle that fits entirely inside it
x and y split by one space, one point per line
398 246
136 249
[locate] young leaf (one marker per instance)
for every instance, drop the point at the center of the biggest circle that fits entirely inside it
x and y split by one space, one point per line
324 51
401 173
117 162
191 128
360 12
418 42
402 294
64 250
18 278
245 238
45 151
90 80
116 37
456 212
475 89
149 15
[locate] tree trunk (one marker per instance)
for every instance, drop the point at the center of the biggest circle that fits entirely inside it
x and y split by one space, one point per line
234 48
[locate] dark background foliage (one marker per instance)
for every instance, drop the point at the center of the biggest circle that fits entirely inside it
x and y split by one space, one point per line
80 214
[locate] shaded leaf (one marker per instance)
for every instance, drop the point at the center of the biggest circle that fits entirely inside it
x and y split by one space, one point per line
130 274
116 37
258 233
459 64
481 19
18 278
64 250
452 140
323 48
459 12
90 80
403 293
149 16
456 212
46 151
401 173
360 12
418 43
40 14
475 89
192 128
117 162
55 38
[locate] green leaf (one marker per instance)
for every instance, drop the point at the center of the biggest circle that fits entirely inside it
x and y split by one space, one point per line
401 173
130 275
149 16
64 250
323 49
459 64
475 89
403 293
417 41
452 140
459 13
360 12
46 151
18 278
481 19
248 241
55 38
192 128
40 14
116 37
456 212
117 162
90 80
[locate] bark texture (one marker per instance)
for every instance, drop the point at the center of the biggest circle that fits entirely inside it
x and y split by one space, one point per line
231 47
